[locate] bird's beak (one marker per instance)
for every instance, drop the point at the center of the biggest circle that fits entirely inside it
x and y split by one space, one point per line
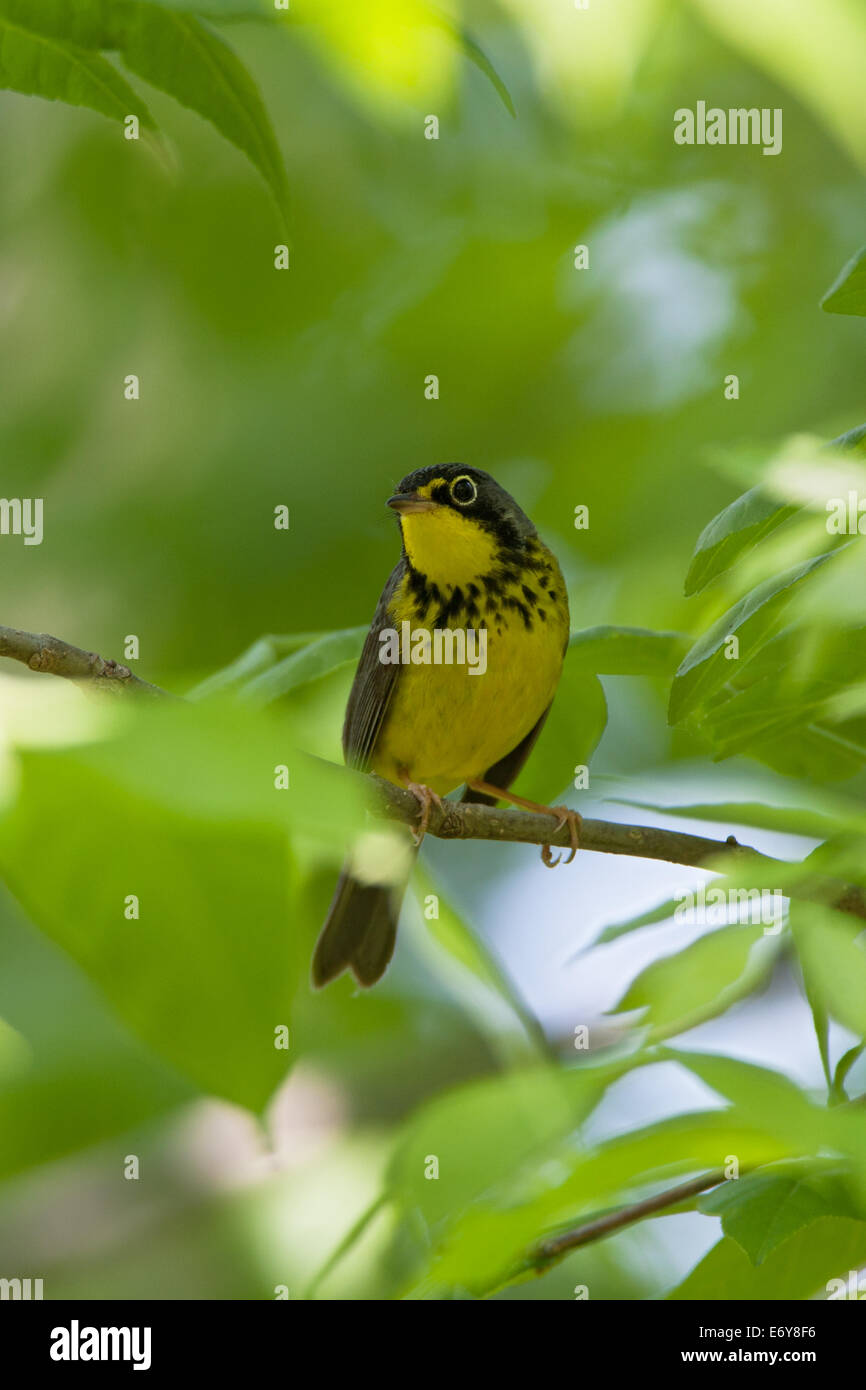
407 502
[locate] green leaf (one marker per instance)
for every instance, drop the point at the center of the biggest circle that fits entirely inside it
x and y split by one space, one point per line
761 1210
675 1146
309 663
84 1079
735 886
787 737
205 975
264 9
179 54
701 981
842 859
739 720
792 820
821 1024
833 962
260 657
37 65
453 935
800 1268
736 529
93 24
180 810
570 735
760 1096
480 1134
643 919
627 651
706 668
846 1062
852 439
847 294
183 56
757 513
493 1240
475 53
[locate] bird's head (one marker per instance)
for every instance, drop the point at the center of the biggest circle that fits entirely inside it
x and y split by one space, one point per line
456 521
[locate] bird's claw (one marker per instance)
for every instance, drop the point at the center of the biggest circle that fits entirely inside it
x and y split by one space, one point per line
572 818
425 798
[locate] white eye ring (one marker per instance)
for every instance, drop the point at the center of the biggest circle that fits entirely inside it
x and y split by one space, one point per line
465 501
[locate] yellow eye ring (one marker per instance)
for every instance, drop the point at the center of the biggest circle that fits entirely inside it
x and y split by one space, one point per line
473 491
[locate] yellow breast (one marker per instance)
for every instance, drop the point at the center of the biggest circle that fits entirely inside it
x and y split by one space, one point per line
449 723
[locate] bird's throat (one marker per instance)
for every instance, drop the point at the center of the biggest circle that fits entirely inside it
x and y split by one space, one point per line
449 549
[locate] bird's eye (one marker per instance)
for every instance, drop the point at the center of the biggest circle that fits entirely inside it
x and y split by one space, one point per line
463 491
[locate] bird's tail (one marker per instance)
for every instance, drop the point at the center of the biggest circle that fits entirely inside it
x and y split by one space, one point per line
359 932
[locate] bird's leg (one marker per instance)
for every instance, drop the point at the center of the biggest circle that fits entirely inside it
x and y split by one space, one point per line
565 814
425 798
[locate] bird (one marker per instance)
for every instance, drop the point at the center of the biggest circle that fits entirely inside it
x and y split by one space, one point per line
473 561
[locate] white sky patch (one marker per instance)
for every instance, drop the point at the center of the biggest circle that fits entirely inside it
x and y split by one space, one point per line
661 309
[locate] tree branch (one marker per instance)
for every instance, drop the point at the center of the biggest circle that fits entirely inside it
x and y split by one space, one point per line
548 1251
43 653
458 821
453 820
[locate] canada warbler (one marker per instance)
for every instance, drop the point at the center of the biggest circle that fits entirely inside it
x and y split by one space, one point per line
431 713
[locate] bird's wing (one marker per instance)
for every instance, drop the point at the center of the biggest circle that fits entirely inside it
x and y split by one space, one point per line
374 683
503 773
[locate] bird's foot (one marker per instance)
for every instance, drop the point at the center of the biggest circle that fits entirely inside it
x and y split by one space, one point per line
573 820
564 813
425 798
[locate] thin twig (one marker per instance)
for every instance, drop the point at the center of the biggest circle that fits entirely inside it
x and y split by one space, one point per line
546 1252
455 820
40 652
